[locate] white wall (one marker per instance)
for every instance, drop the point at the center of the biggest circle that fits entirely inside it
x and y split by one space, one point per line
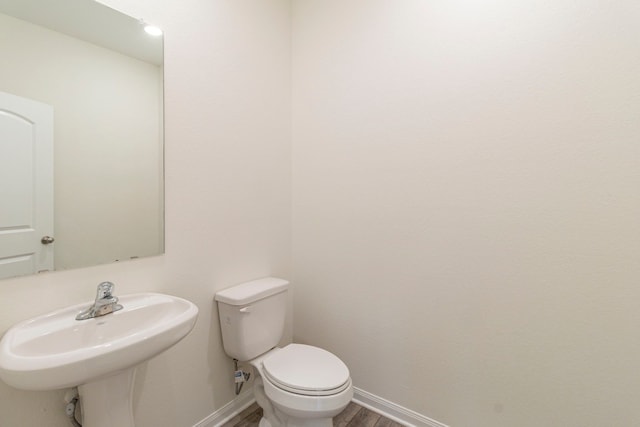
227 87
107 141
466 204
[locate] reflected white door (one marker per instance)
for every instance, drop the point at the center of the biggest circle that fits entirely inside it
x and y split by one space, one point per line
26 186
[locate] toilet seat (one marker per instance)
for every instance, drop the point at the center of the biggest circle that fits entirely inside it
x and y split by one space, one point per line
306 370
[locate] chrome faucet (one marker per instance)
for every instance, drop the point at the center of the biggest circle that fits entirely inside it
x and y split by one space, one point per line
105 303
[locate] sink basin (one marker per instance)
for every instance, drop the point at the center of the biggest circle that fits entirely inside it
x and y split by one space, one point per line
56 351
99 355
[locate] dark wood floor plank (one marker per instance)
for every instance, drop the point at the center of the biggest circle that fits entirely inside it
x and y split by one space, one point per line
364 418
343 418
386 422
252 420
248 412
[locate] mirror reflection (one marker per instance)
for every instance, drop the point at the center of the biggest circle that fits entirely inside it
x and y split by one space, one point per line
81 137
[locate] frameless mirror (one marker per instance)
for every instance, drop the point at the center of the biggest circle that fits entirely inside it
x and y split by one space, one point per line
81 137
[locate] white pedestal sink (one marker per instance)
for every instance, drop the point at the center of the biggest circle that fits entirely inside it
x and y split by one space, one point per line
98 355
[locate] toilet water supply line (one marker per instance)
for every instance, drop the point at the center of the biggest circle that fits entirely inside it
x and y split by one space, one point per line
239 376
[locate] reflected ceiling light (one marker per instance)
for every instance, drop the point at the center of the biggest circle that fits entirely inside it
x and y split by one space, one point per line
153 30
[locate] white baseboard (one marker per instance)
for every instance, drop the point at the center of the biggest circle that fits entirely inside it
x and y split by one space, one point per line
228 411
392 411
370 401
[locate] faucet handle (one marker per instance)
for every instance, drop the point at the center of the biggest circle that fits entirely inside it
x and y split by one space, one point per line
105 290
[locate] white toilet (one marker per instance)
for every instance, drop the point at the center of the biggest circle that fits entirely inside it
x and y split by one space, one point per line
298 385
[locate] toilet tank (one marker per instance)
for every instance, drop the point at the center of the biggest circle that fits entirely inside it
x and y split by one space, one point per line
252 316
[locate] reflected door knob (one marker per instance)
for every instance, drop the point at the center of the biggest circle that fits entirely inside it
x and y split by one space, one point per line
47 240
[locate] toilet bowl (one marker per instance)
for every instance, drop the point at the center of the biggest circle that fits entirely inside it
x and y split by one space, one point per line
307 385
298 385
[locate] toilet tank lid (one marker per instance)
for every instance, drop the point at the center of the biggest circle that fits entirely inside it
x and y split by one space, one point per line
252 291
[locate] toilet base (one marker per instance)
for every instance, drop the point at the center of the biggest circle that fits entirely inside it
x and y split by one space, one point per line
293 422
310 422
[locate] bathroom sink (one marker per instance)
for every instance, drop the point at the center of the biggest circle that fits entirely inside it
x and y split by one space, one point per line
56 351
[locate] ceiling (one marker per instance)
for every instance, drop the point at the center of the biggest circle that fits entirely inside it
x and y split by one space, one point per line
90 21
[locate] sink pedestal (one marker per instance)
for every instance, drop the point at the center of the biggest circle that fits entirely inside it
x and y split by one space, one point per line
107 402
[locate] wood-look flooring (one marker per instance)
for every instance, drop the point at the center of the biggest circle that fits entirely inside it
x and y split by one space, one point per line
354 415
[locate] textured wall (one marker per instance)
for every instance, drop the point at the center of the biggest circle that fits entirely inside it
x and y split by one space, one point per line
466 204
